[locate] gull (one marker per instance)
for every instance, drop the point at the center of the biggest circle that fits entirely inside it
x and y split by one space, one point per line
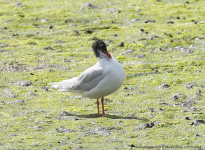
98 81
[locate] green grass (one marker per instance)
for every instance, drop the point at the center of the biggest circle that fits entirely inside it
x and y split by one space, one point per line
25 32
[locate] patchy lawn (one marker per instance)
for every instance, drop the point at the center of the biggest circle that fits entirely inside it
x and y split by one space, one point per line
160 44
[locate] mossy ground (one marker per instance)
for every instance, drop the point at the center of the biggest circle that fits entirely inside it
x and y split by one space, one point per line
63 27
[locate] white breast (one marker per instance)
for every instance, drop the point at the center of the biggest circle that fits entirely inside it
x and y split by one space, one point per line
112 81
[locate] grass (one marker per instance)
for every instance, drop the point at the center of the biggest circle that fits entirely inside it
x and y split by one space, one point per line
61 27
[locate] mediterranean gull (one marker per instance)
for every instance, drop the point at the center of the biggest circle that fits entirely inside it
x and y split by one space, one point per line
98 81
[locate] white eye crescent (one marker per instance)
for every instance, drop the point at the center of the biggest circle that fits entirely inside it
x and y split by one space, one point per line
101 45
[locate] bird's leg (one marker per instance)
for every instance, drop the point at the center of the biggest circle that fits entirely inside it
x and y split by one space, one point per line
103 110
98 108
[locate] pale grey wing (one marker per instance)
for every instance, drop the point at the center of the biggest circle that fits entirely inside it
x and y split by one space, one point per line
84 82
89 79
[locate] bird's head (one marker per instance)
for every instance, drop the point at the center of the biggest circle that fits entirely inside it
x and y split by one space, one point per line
100 49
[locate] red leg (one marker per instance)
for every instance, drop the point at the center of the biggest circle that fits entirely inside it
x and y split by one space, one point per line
98 108
103 110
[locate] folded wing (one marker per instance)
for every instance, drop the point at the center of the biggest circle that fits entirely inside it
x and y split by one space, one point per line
86 81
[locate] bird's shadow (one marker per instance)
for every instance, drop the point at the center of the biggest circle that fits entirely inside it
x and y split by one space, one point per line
111 117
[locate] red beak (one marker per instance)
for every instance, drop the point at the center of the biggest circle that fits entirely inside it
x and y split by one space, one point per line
108 54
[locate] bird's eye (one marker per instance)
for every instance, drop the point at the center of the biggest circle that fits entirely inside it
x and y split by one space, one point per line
101 45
